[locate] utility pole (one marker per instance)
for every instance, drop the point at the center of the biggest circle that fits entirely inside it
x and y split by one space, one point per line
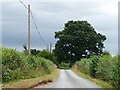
29 29
50 47
47 47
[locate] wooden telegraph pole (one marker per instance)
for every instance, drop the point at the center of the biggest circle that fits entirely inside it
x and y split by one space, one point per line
29 29
50 47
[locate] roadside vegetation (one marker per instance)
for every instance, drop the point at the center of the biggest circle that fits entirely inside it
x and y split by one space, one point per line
104 68
64 65
20 66
80 45
32 82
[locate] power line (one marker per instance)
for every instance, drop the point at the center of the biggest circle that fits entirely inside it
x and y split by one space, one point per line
23 4
34 23
37 29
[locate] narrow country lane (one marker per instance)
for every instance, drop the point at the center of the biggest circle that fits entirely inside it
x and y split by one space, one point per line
68 79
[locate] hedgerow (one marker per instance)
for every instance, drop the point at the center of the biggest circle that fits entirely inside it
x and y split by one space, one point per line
17 65
64 65
104 67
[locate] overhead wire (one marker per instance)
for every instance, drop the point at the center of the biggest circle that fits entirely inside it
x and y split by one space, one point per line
37 29
23 4
34 23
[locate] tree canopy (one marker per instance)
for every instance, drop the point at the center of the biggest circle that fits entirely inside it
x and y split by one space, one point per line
77 40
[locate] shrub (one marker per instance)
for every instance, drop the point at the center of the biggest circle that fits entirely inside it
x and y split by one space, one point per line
88 65
64 65
11 58
115 72
6 74
92 65
47 55
104 67
18 65
83 66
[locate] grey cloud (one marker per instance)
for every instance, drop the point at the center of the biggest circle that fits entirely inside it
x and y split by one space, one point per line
50 17
62 1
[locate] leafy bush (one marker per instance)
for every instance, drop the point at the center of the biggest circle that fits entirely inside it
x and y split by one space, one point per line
64 65
11 58
105 53
115 75
103 67
46 54
93 64
83 66
0 65
6 74
88 66
18 65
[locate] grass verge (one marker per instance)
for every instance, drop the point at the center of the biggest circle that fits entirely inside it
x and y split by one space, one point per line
97 81
0 86
29 83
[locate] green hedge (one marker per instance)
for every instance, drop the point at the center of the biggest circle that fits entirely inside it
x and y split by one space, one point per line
17 65
48 55
103 67
115 74
88 66
64 65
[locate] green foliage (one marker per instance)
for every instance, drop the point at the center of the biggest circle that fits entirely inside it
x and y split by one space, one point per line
46 54
34 52
105 53
88 66
0 65
103 67
107 70
18 65
93 65
11 59
115 74
64 65
83 66
25 48
77 40
6 74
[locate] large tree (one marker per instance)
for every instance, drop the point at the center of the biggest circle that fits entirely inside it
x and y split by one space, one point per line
77 40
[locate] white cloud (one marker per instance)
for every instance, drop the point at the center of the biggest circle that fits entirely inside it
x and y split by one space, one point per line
109 9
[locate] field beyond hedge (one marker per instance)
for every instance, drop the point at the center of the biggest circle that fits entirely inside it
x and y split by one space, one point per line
104 67
20 66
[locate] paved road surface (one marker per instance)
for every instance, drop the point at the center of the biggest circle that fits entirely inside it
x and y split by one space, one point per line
69 79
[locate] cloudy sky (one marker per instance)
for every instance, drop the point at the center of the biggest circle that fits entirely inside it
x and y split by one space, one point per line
50 16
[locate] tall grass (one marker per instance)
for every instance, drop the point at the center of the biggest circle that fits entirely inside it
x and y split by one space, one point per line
17 65
0 66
